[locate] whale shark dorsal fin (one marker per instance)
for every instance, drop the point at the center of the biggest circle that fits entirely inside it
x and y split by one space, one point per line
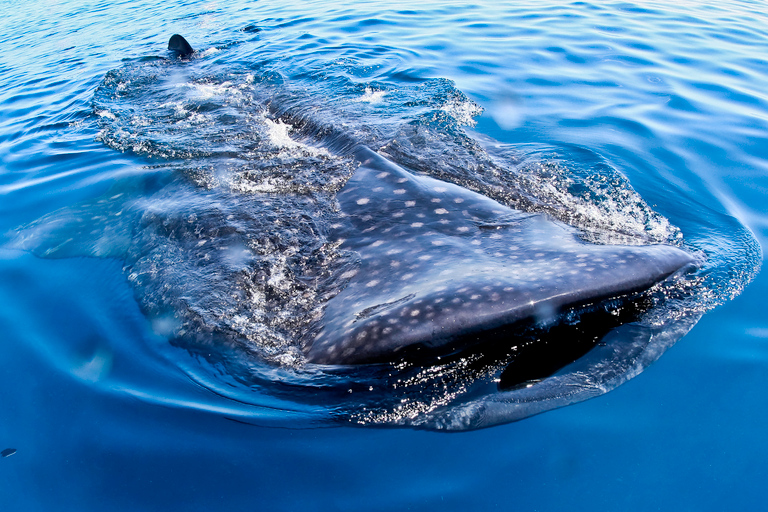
180 46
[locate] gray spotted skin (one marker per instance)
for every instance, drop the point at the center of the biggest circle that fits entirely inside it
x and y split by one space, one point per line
439 261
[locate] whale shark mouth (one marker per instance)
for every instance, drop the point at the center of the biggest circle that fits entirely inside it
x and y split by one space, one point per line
527 352
440 265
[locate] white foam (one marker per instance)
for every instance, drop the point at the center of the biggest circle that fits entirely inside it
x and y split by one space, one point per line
279 136
463 111
371 96
106 113
209 51
209 90
251 187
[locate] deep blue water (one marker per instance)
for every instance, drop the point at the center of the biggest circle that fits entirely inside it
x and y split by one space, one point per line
645 119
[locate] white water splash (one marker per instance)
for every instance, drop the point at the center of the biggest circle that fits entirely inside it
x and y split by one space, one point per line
279 131
463 111
372 96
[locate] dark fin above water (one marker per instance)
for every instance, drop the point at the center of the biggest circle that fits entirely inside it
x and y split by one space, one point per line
180 46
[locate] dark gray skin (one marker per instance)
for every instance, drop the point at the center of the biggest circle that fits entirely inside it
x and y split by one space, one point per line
439 262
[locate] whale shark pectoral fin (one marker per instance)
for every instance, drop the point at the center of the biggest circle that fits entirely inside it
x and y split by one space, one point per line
180 46
427 253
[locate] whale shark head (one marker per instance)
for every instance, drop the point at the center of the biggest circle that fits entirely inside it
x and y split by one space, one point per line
441 267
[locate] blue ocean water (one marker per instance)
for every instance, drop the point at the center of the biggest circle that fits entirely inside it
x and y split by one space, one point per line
576 102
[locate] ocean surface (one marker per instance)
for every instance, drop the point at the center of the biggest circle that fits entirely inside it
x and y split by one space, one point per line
163 250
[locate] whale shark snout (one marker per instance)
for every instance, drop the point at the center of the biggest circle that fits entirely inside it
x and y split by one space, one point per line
441 265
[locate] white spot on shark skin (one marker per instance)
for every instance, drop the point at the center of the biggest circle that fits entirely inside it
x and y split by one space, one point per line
362 201
410 204
399 191
441 211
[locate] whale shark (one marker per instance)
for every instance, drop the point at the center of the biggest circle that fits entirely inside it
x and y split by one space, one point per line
377 275
439 268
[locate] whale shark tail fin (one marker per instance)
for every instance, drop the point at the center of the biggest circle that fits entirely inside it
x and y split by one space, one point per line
180 46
